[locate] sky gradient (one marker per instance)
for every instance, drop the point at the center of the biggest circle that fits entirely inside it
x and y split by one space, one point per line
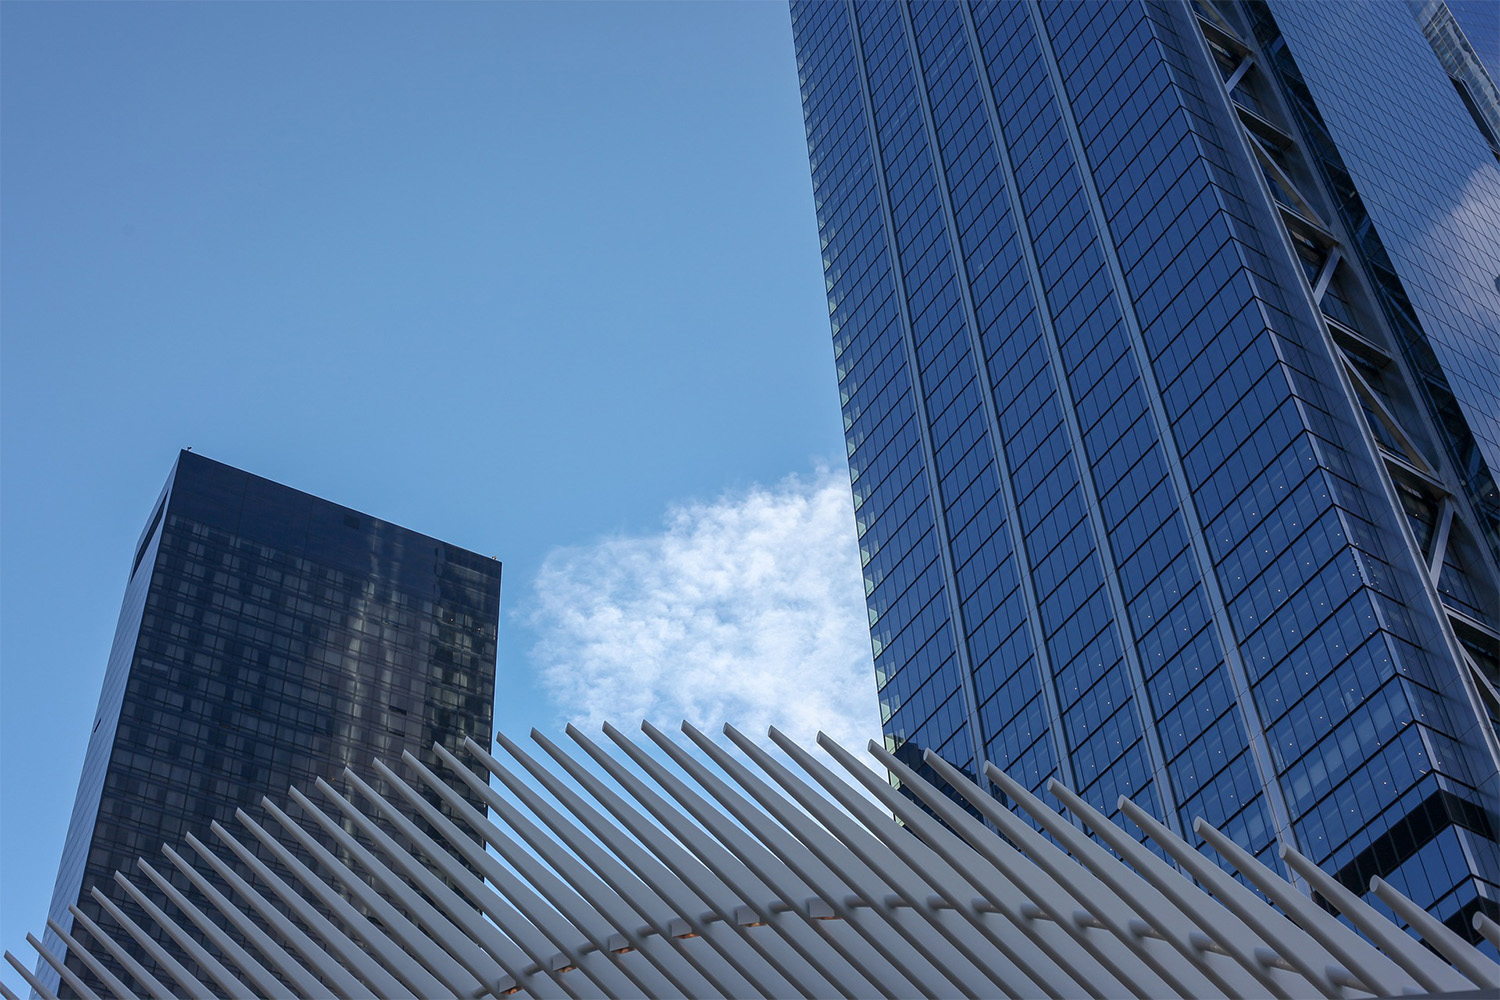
541 280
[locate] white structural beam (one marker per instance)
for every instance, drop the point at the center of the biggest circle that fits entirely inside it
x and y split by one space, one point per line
705 869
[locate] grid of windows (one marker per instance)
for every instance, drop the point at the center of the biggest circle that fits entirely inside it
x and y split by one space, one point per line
1129 460
1395 169
280 639
915 647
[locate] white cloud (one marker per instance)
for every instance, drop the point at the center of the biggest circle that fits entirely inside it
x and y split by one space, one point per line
748 610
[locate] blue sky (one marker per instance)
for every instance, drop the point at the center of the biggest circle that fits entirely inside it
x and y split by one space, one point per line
542 280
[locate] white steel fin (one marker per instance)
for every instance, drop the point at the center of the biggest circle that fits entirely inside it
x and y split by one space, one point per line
796 876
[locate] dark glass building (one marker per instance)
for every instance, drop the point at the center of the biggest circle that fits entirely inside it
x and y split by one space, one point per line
1168 344
268 638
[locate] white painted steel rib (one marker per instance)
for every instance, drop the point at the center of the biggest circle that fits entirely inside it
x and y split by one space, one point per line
1021 876
1416 961
344 948
498 950
1133 895
335 978
438 963
5 990
153 986
844 885
1238 939
284 964
620 902
786 865
1468 960
573 933
1093 896
411 974
622 884
760 879
32 981
1487 929
1311 961
1367 966
68 975
432 924
689 868
909 887
75 947
715 926
548 939
1174 932
250 972
825 874
814 876
1337 944
1100 893
517 927
191 986
1040 975
227 980
952 875
579 928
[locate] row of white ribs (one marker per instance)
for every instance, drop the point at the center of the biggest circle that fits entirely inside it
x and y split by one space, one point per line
768 884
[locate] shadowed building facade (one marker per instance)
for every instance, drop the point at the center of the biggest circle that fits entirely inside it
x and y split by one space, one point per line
1168 345
268 638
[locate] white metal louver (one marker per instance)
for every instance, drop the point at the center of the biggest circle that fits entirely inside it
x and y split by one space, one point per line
757 879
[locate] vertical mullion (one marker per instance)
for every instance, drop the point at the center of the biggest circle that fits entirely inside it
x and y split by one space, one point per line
919 399
1064 760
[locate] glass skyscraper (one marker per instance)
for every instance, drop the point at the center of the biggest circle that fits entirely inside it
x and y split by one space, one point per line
1168 345
268 638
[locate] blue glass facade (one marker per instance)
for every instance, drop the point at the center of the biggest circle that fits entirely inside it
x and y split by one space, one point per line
268 638
1130 509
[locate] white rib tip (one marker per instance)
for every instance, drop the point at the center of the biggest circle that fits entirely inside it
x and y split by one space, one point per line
818 909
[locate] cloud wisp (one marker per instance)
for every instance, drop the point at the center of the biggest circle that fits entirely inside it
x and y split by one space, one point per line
749 610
